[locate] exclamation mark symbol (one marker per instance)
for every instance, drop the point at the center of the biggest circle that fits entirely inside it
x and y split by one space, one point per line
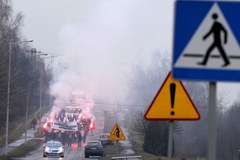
172 94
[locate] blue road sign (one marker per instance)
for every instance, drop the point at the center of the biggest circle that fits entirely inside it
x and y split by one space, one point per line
206 40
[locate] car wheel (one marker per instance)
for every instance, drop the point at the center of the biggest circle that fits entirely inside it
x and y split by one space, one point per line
44 155
62 156
86 156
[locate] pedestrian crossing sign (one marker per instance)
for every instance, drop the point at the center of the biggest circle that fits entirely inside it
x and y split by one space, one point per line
206 40
116 134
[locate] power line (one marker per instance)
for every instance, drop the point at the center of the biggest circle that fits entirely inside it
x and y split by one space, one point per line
119 104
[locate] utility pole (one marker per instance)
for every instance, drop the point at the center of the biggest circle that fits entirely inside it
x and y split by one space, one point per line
8 96
51 69
8 88
40 95
34 53
27 103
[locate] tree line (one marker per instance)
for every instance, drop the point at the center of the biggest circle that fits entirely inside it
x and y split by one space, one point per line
28 70
190 137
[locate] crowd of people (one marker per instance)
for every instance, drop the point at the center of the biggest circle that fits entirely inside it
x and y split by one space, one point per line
60 127
68 137
65 137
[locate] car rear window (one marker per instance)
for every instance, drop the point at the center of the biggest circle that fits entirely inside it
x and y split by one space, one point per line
93 143
103 136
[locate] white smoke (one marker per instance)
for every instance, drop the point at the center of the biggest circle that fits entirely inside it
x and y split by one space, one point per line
100 44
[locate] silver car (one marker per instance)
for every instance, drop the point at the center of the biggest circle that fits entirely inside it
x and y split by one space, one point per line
103 138
53 148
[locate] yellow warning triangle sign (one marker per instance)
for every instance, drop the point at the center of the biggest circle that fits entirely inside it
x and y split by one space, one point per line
116 134
172 102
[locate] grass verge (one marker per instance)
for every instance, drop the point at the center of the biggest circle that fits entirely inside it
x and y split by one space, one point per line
23 149
14 134
17 129
137 142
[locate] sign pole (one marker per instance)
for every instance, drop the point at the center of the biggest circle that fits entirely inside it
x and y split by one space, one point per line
212 128
117 148
170 140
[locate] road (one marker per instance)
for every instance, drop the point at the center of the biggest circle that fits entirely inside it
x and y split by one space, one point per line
71 153
74 152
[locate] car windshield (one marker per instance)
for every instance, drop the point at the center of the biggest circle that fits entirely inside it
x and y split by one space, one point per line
54 144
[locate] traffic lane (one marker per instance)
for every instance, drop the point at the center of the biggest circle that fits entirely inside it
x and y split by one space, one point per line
71 153
80 152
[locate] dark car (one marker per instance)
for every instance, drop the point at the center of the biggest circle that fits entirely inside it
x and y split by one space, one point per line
103 138
53 148
94 148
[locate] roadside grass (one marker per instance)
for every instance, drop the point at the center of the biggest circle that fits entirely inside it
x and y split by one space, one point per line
137 142
16 132
17 129
113 150
13 135
23 149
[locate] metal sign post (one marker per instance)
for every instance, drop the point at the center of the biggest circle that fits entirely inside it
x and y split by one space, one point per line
170 140
212 126
117 148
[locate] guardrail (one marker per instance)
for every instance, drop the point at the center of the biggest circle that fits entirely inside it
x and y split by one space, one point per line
128 157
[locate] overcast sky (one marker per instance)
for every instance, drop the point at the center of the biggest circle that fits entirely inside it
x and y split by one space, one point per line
101 39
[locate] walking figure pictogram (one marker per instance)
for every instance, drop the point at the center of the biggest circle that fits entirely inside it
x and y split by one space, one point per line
117 132
216 31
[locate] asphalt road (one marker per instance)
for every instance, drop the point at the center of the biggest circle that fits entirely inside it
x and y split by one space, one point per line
74 152
71 153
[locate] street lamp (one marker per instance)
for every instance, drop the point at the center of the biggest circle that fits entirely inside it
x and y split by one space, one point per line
36 53
51 68
8 89
40 87
33 53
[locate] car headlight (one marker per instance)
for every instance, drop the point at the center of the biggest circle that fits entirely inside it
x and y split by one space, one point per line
46 149
60 149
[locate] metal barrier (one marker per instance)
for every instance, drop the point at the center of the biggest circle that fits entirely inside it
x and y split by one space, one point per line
128 157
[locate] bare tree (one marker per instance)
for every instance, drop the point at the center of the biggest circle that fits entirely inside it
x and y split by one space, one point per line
21 59
139 124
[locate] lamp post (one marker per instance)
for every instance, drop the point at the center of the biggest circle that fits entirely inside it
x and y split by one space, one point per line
36 53
8 88
26 115
51 68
